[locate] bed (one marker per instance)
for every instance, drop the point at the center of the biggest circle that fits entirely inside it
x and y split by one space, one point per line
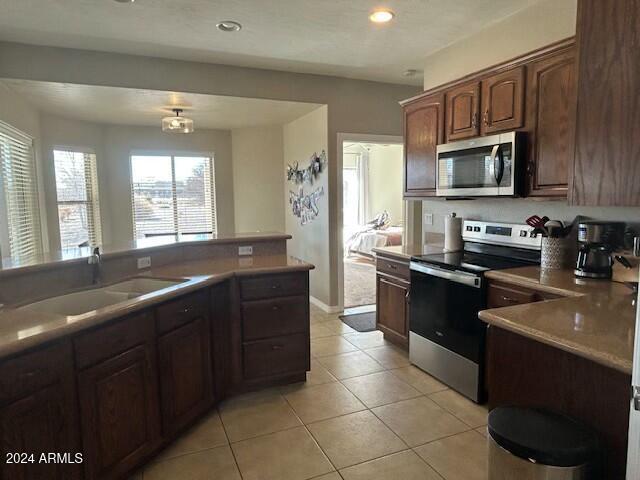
363 241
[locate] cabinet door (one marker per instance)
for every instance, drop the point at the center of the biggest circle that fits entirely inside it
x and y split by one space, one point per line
119 412
463 103
551 101
607 158
423 131
184 358
392 309
503 101
42 421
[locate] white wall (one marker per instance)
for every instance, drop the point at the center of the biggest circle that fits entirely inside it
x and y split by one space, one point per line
258 178
120 141
385 182
542 23
310 242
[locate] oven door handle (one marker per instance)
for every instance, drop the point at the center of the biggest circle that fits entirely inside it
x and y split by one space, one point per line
457 276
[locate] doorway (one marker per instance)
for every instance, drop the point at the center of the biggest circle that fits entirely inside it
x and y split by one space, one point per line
373 215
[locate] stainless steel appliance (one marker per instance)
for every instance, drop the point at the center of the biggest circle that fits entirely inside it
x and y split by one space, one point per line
446 338
485 166
597 241
633 455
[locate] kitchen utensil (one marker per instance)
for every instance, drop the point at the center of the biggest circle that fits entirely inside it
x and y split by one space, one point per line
554 227
538 222
623 261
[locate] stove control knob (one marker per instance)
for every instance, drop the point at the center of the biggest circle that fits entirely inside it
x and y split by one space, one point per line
523 233
469 228
533 234
476 229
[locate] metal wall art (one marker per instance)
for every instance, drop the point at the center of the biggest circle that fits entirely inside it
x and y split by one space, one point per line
309 174
305 207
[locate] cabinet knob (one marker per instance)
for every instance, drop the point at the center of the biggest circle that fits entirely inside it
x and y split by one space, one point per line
486 117
276 347
474 120
275 308
392 267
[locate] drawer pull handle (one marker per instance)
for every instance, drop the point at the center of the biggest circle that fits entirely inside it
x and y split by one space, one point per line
275 308
392 267
508 299
275 287
31 374
277 347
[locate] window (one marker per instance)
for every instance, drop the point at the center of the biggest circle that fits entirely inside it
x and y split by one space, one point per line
172 195
20 235
77 190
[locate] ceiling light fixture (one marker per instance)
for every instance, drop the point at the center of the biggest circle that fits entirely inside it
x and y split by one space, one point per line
410 72
125 1
229 26
381 16
176 123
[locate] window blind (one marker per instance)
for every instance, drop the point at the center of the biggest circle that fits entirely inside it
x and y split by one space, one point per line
20 194
78 199
172 195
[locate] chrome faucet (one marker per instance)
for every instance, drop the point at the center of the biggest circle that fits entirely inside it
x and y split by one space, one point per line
94 261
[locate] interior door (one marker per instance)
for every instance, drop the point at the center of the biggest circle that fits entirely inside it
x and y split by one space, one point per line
633 454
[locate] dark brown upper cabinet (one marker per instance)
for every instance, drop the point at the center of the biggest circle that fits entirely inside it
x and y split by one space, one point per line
463 104
423 128
503 101
607 160
551 100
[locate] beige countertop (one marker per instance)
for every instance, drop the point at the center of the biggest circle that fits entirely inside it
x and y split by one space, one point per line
21 329
595 319
405 252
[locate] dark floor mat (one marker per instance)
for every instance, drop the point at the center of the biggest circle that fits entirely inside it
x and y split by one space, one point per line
362 322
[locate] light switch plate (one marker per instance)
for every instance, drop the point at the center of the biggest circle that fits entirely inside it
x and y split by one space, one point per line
428 219
144 262
245 250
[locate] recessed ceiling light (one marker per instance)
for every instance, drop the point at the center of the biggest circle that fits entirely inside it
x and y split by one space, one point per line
381 16
229 26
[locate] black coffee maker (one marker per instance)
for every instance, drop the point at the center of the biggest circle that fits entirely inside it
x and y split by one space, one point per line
596 242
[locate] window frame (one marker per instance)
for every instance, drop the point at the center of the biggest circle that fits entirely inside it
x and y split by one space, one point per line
94 213
173 154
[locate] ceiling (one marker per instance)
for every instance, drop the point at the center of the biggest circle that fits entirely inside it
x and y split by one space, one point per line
330 37
128 106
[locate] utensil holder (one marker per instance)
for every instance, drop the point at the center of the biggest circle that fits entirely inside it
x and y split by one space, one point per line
554 254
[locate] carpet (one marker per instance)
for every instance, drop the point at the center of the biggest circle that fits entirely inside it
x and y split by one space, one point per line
359 282
362 322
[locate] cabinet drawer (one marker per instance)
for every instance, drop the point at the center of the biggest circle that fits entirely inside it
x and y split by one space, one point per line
111 340
269 286
270 318
178 312
393 267
275 356
505 296
27 373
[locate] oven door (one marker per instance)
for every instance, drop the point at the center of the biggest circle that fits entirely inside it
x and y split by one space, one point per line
444 308
479 167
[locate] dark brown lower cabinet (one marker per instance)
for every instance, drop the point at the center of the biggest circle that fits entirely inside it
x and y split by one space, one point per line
524 372
392 312
119 411
184 359
38 415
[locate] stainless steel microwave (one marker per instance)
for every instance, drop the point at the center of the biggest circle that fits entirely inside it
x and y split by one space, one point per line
484 166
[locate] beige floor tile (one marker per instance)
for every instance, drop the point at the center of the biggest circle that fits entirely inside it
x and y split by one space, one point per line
400 466
366 339
483 431
469 412
380 388
355 438
329 476
207 433
215 463
338 327
323 401
318 330
389 357
419 380
292 454
330 346
419 420
318 375
351 364
459 457
256 414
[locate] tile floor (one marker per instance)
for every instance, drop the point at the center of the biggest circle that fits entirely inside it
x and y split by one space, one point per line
364 413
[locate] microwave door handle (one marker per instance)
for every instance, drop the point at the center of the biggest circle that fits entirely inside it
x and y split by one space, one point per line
492 163
499 171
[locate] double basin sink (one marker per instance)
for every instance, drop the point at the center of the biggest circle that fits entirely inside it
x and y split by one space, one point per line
78 303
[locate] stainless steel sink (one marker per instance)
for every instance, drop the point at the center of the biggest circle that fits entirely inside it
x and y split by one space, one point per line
88 300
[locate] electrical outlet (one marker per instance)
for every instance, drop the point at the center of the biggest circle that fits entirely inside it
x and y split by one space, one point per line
245 250
144 262
245 262
428 219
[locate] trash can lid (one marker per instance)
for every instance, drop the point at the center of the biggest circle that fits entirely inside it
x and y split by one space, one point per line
542 436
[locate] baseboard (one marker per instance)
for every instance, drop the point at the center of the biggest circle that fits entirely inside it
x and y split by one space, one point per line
323 306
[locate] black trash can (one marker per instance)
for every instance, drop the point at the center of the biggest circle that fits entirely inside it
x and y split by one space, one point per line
533 444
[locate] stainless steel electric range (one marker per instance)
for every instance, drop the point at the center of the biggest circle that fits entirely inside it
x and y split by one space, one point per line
446 338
